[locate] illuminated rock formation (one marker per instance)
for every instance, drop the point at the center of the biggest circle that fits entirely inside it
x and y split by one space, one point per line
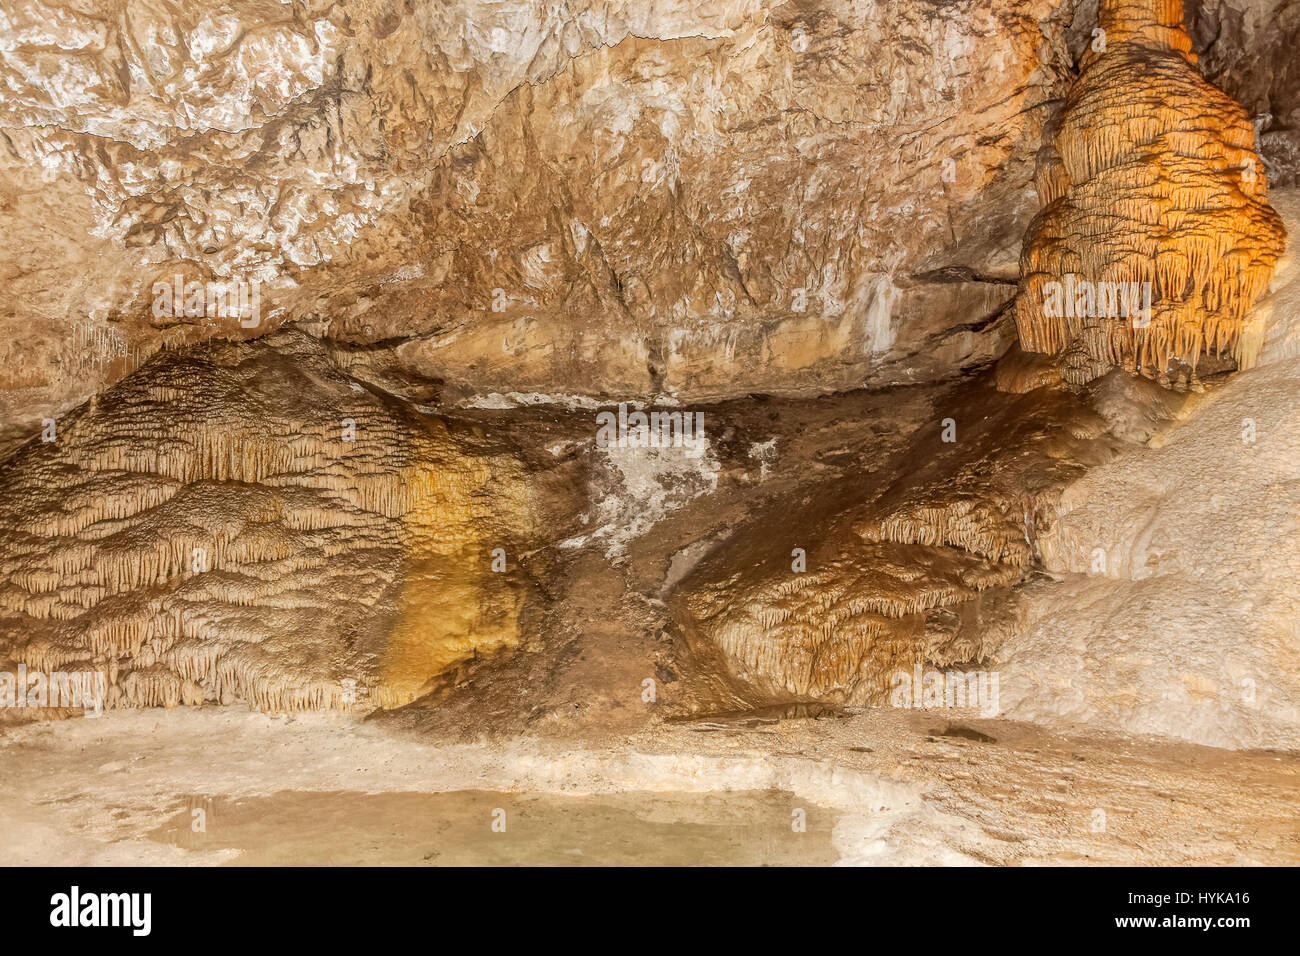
1156 237
919 572
693 200
618 196
1175 582
249 523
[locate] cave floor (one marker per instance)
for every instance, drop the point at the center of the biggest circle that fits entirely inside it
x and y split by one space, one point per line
874 787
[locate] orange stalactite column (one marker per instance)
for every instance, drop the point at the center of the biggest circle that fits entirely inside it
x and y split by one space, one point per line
1156 236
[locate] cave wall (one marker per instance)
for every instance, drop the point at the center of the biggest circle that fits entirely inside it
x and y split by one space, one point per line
697 199
691 198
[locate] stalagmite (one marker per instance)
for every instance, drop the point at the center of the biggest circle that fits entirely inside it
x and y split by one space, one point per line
1156 236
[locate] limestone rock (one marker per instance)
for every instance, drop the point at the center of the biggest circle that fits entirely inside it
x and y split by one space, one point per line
703 197
916 570
1177 612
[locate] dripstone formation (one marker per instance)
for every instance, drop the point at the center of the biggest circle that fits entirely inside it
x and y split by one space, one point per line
1156 236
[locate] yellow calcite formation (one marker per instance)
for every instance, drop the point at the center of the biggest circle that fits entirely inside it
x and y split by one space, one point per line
1156 237
247 523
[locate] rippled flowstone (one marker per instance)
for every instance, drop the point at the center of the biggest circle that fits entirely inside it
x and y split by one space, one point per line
249 523
913 566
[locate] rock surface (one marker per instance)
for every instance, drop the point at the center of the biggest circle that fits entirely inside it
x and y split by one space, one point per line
699 198
1177 613
909 565
470 206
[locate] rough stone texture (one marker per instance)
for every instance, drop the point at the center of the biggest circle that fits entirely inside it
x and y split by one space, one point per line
1177 614
1274 319
649 186
910 566
1247 48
